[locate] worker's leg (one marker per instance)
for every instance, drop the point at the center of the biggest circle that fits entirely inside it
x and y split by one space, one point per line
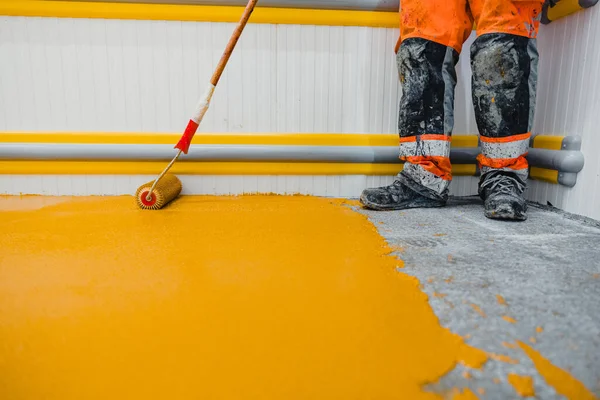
432 35
504 63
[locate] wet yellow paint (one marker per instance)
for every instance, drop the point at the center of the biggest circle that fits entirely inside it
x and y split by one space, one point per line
523 385
211 298
560 379
465 394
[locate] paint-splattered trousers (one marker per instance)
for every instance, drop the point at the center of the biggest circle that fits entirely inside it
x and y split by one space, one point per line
504 64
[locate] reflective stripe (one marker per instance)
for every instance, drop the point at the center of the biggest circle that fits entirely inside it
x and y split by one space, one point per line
425 145
420 175
505 149
439 166
518 165
512 163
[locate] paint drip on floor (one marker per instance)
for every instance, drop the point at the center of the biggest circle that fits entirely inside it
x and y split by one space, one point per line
558 378
523 385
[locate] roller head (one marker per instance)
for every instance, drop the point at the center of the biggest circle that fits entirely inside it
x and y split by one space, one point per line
168 188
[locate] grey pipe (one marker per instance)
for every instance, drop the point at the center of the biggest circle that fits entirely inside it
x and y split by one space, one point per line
571 143
568 179
160 152
362 5
560 160
582 3
587 3
467 155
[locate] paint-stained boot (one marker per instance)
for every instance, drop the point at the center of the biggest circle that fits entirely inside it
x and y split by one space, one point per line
398 196
502 193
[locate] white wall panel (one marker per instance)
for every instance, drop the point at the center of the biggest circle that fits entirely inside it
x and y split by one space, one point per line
95 185
113 75
349 186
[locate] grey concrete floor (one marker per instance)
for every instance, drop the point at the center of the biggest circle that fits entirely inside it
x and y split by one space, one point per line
547 269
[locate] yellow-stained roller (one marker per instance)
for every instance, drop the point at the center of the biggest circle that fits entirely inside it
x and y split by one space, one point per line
165 191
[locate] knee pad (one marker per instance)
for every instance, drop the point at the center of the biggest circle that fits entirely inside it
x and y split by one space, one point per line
504 83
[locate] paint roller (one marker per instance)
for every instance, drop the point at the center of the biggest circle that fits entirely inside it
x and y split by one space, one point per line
156 194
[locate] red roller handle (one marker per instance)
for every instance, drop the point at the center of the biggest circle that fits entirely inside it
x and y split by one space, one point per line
186 139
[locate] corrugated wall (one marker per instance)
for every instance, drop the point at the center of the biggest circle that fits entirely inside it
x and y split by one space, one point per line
569 103
110 75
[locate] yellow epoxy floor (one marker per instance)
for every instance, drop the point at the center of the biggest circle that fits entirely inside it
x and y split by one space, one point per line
212 298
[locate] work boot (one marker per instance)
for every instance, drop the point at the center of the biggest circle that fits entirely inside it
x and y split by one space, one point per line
398 196
502 193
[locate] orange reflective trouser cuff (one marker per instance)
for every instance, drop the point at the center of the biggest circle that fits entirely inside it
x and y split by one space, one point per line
438 166
505 153
428 159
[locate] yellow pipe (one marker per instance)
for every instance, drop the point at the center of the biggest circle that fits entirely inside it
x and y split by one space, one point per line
184 12
252 138
542 174
562 9
205 168
297 139
548 142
